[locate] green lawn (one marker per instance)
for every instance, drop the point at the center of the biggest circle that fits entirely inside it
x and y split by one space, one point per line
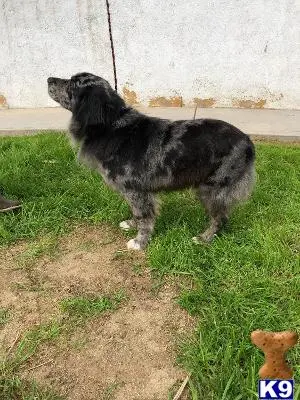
248 278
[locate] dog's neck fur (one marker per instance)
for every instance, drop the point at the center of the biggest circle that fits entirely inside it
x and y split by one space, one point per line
81 134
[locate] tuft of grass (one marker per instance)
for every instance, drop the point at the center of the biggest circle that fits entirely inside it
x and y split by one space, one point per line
109 392
46 245
4 316
12 387
138 269
33 339
81 308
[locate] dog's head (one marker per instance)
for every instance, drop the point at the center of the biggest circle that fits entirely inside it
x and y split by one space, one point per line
90 98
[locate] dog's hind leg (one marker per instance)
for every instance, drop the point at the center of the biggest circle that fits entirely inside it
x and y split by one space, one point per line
143 209
218 210
219 201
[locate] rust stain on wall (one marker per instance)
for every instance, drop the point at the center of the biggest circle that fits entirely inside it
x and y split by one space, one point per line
204 103
175 101
249 103
3 102
129 96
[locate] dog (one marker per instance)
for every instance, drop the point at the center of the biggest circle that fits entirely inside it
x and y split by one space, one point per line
139 155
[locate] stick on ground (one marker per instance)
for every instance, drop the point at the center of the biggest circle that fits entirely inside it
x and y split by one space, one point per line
39 365
181 389
13 344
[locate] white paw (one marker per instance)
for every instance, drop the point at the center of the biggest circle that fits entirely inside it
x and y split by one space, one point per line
133 244
195 239
124 225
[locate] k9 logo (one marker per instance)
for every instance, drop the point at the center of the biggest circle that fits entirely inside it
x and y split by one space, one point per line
275 389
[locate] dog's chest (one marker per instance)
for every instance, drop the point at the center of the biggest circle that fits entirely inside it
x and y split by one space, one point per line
93 163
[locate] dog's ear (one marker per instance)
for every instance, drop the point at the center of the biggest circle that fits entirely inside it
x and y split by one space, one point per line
95 106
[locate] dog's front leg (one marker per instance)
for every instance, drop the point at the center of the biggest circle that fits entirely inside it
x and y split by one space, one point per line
143 210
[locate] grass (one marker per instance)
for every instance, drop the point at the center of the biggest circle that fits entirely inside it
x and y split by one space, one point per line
15 388
248 278
56 192
46 245
12 387
4 316
82 308
109 392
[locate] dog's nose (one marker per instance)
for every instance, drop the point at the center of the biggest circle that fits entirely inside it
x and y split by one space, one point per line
51 80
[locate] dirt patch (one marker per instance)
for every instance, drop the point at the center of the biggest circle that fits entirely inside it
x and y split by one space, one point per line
175 101
125 354
130 96
3 102
204 103
246 103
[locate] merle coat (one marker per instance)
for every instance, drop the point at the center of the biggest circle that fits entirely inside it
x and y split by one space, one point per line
139 155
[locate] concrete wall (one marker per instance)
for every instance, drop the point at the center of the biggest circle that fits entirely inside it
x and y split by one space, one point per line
40 38
228 53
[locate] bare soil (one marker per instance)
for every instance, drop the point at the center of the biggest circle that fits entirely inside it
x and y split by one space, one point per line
128 353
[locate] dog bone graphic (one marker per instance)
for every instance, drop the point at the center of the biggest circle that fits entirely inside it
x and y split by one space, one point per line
275 345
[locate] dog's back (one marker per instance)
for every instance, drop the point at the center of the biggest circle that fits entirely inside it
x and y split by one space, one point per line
205 152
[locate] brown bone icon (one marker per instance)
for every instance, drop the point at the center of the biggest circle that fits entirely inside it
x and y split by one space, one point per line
275 345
